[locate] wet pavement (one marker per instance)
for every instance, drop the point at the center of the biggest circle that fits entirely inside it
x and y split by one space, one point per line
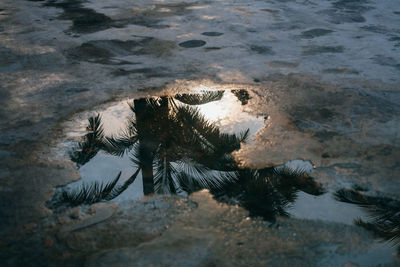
268 131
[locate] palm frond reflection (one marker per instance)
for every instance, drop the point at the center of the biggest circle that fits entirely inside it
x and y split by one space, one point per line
94 192
91 143
177 150
383 213
267 192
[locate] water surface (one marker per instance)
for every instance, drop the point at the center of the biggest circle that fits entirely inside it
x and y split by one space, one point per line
183 143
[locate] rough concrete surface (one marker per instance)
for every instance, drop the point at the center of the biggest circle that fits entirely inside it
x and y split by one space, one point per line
326 74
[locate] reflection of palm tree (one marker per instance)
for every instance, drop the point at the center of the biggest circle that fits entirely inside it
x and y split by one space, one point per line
173 142
176 149
384 213
266 192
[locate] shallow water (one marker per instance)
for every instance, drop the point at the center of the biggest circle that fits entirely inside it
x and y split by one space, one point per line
228 112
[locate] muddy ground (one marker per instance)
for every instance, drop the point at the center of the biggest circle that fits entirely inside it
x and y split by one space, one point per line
326 73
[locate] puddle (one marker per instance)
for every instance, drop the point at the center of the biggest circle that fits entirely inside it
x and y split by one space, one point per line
221 116
183 143
179 144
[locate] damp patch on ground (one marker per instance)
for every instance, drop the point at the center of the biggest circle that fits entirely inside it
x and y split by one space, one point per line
192 43
212 34
310 34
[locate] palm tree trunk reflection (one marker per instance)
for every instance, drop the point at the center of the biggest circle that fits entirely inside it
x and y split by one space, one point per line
145 133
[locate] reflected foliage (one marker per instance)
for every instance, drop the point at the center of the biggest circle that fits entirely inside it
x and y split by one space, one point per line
199 99
173 143
92 193
178 151
91 143
384 213
267 192
242 95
